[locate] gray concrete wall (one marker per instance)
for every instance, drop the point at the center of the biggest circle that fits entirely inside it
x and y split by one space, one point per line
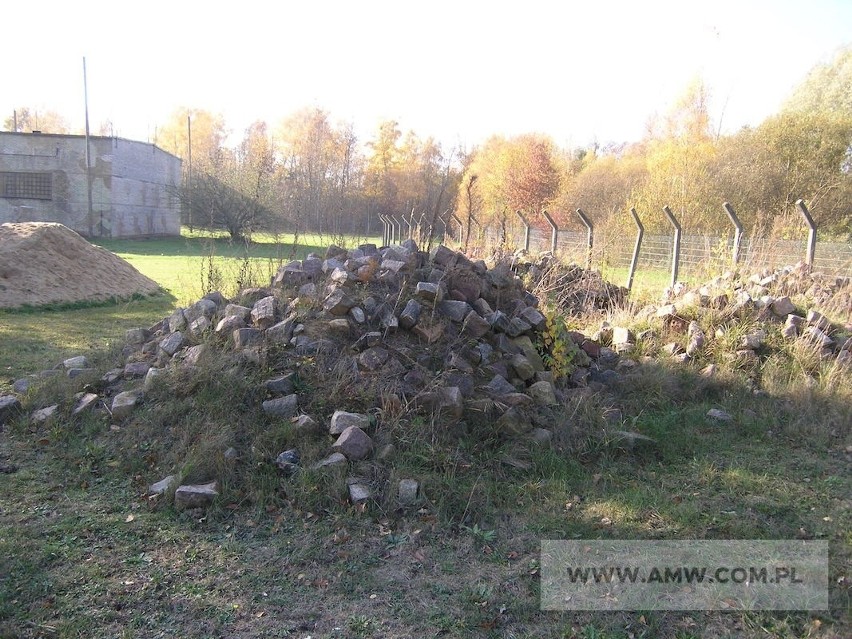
132 184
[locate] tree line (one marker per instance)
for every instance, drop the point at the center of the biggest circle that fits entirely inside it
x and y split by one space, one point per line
310 173
802 152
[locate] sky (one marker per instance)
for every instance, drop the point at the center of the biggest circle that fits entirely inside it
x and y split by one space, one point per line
460 71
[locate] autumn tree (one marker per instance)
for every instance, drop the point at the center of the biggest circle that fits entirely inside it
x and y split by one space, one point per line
680 149
803 152
255 159
425 178
381 173
826 89
105 128
440 177
508 175
790 156
26 120
208 133
409 177
320 171
235 189
605 181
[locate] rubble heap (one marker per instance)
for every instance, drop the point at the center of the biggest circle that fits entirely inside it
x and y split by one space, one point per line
424 332
437 330
570 288
783 300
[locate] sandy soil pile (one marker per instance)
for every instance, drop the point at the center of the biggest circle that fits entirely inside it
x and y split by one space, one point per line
44 263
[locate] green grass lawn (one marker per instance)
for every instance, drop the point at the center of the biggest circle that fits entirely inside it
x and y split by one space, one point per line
646 282
35 340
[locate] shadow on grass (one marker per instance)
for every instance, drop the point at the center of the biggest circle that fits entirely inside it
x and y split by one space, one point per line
105 304
33 339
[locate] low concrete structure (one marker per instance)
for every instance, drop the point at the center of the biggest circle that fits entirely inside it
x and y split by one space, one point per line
43 178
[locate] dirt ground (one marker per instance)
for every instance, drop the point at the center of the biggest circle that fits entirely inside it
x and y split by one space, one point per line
48 263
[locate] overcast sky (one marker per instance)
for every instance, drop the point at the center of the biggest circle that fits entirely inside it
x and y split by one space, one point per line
457 70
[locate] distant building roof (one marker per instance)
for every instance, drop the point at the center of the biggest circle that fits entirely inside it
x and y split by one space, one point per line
76 136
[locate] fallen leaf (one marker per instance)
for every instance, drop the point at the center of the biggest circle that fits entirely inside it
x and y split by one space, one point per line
129 519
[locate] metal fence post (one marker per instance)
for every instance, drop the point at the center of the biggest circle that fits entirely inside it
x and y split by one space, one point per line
634 261
589 236
676 245
809 257
399 222
526 230
391 229
385 232
554 231
389 241
738 233
387 221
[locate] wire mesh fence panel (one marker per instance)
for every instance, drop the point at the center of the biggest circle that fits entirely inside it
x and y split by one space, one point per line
539 240
700 254
573 245
834 257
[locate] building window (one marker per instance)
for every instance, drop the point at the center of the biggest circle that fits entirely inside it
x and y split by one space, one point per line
29 186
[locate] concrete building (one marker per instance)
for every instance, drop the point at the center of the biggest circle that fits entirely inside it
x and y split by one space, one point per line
43 178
